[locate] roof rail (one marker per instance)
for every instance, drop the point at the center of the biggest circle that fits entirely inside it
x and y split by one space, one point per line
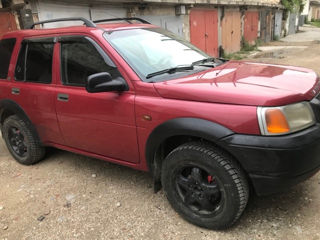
129 20
87 22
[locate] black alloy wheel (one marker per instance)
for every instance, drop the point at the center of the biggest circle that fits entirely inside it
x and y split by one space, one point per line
17 141
205 185
199 190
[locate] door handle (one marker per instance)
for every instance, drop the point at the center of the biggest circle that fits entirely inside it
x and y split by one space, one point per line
15 91
63 97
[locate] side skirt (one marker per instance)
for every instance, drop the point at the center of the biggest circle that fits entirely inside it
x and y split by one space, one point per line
97 156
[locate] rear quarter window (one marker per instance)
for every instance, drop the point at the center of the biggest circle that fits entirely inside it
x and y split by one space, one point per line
6 49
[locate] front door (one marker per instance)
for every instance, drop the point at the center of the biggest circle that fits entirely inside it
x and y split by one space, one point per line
99 123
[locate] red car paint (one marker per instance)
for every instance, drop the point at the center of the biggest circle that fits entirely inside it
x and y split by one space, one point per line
115 126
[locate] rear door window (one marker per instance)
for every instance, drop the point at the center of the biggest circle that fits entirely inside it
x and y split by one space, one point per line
35 61
6 49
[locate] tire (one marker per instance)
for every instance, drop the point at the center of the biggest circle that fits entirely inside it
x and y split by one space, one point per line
205 185
21 141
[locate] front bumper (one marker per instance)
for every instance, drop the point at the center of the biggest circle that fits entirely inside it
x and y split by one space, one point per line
275 163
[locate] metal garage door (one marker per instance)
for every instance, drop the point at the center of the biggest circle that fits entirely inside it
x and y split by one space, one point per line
204 30
8 22
277 24
292 23
50 10
231 31
266 25
251 22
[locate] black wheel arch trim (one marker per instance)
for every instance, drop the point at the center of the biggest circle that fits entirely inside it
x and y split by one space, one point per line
193 127
15 108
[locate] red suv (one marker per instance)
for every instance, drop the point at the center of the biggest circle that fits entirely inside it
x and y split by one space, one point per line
131 93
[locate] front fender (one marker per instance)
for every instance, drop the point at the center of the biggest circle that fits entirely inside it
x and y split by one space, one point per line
192 127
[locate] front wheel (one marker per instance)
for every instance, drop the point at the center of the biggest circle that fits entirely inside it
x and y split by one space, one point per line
205 185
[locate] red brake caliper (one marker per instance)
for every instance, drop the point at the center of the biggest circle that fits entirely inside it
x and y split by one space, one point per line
210 178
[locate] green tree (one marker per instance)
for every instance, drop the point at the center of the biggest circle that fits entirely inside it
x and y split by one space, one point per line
293 5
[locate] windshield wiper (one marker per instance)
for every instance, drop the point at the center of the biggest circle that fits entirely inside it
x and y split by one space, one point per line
170 70
202 61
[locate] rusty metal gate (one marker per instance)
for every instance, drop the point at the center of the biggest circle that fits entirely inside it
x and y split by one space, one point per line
292 23
204 30
266 25
277 24
231 31
251 22
7 22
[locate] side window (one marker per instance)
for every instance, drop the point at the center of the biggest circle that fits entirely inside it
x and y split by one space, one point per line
82 57
6 48
35 61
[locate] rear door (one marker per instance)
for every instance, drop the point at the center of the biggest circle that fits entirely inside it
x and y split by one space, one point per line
99 123
7 47
33 88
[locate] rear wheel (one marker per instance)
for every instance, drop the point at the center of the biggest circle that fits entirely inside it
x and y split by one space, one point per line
204 185
22 141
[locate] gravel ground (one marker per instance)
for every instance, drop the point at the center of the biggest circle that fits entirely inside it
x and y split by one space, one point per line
68 196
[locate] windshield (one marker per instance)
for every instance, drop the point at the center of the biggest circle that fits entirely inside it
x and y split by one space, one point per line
151 50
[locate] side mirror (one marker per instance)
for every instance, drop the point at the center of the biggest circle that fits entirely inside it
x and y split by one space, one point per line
103 82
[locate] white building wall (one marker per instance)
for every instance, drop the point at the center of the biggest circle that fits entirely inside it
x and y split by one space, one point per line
306 8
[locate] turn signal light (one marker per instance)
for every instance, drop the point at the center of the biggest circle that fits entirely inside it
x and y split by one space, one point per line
276 121
285 119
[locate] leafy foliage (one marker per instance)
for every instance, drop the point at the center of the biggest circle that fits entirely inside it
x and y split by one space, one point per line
247 47
293 5
315 23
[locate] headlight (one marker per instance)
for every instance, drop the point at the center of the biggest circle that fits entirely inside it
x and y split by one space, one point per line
285 119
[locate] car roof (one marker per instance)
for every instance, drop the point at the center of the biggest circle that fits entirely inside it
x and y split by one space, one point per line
74 29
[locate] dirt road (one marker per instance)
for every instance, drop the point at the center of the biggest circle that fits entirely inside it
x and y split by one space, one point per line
68 196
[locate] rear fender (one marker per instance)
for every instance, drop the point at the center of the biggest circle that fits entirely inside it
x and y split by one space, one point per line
14 108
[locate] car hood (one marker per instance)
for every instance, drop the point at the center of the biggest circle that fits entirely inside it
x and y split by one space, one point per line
245 83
